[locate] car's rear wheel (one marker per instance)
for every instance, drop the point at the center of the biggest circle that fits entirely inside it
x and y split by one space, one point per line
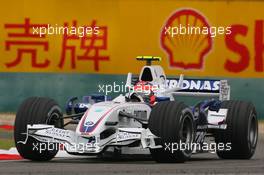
36 110
241 133
173 123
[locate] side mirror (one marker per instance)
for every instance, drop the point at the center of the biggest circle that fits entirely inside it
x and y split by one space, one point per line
129 80
180 82
178 87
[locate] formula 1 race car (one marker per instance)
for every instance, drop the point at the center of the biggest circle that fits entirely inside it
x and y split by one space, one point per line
148 116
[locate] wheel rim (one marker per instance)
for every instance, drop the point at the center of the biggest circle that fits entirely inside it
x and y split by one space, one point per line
54 119
187 133
252 131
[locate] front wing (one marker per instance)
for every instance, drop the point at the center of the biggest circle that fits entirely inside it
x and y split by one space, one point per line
78 144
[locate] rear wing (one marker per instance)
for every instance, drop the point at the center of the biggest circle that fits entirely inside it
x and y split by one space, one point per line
200 88
148 59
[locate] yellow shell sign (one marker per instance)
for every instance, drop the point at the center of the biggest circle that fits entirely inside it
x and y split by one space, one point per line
197 38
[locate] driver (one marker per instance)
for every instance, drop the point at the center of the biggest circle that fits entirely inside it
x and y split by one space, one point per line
143 92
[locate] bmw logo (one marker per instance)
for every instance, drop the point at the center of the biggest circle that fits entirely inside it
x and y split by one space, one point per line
89 123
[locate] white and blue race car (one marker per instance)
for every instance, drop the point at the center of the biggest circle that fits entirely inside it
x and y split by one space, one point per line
148 117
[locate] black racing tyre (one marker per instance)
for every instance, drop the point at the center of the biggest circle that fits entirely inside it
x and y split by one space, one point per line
172 122
241 133
36 110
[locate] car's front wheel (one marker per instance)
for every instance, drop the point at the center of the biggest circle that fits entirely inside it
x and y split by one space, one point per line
173 123
36 110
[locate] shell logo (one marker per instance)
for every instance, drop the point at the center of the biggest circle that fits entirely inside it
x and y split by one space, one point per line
186 51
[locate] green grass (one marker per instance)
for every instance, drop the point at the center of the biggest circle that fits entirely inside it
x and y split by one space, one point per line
6 139
6 143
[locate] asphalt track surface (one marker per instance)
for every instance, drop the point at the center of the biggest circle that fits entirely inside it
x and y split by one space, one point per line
206 163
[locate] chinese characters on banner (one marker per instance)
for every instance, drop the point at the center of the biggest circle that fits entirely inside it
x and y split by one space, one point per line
26 42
